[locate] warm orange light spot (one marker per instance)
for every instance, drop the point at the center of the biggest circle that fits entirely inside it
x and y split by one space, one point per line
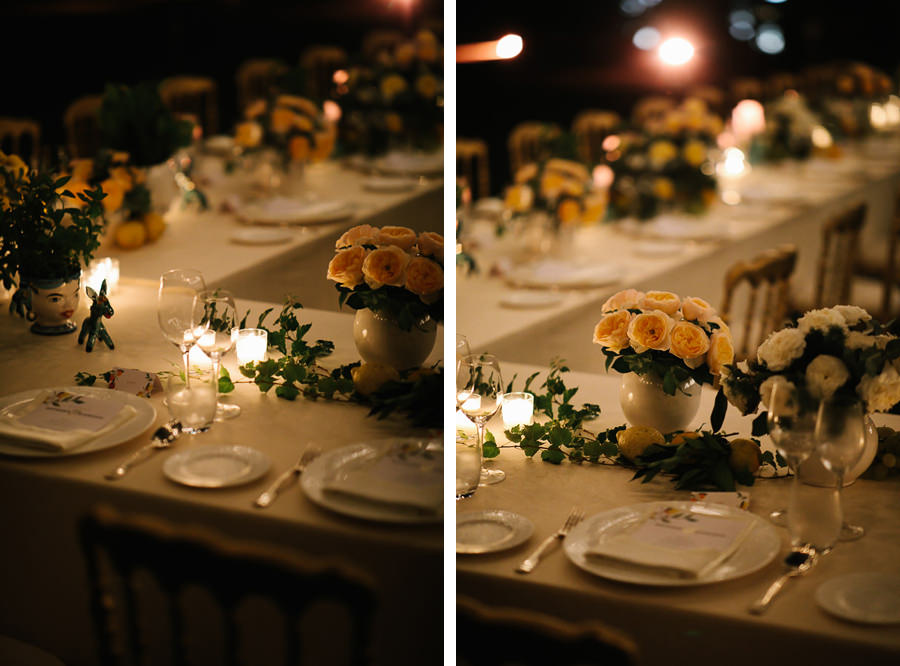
341 76
676 51
509 46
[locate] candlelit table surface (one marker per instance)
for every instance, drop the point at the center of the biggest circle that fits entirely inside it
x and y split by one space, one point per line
42 574
802 197
704 623
206 240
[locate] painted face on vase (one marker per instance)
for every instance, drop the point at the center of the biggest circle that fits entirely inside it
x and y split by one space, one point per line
53 307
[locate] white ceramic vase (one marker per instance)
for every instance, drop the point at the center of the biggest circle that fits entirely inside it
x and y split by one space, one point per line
814 473
380 340
160 180
644 403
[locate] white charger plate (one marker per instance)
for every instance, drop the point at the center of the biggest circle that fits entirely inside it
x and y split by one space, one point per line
490 531
324 468
216 466
527 300
867 597
411 163
145 415
261 236
288 211
555 274
757 550
389 184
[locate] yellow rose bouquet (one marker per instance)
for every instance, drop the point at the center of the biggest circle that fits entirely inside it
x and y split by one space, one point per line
661 334
391 270
292 125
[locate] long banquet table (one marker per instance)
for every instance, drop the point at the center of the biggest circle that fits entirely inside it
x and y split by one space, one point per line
693 624
782 204
42 577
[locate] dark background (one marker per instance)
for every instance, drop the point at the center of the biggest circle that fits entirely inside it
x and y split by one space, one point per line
579 55
57 51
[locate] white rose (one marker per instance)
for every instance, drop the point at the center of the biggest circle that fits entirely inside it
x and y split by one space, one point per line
852 314
859 340
765 389
882 391
825 375
821 320
781 348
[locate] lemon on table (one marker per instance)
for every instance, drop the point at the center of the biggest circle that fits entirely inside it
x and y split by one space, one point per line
745 455
635 440
682 437
155 225
131 235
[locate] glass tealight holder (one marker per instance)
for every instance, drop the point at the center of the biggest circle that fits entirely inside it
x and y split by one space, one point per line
517 409
250 344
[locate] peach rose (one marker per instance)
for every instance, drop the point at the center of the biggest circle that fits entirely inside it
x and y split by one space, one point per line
402 237
248 135
431 244
282 120
519 198
115 195
255 109
74 187
690 343
299 148
612 331
526 173
82 168
346 266
424 278
568 211
385 266
696 309
299 103
552 184
721 352
661 300
627 298
650 330
363 234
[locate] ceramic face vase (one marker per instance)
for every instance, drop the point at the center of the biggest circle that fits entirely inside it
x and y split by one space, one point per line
53 303
644 403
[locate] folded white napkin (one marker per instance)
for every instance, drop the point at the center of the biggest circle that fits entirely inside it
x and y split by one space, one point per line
52 439
673 541
401 482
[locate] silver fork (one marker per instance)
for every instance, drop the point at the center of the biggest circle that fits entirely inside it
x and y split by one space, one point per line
269 494
163 438
530 562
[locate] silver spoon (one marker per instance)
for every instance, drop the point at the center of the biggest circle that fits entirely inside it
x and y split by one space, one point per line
798 562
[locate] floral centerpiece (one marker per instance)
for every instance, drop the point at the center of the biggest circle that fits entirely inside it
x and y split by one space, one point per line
662 164
790 124
394 99
560 188
293 126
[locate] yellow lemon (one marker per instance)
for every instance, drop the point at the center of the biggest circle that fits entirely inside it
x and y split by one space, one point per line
682 437
745 455
635 440
155 225
130 235
369 377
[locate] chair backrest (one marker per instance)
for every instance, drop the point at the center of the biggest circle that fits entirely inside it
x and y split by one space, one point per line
473 166
891 276
838 257
195 97
257 78
590 128
22 137
766 301
529 142
499 636
161 592
82 124
321 62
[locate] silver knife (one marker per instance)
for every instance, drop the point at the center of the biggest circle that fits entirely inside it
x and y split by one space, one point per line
269 494
162 439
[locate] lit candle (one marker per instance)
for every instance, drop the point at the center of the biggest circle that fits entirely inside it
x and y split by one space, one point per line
250 344
517 409
464 423
747 118
102 269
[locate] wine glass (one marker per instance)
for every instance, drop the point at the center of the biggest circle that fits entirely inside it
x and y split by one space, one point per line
840 437
215 310
462 347
479 393
175 309
792 428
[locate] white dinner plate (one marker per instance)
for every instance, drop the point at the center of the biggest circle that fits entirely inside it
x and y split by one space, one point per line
389 184
868 597
329 465
261 236
216 466
490 531
552 274
527 300
659 248
411 164
681 228
288 211
756 551
145 415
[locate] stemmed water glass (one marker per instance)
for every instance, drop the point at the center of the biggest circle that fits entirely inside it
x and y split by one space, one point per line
175 311
840 438
215 310
479 394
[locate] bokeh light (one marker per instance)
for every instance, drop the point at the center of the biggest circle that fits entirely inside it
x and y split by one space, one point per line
646 38
676 51
770 39
509 46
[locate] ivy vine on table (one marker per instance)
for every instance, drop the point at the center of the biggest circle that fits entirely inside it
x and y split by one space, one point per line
416 395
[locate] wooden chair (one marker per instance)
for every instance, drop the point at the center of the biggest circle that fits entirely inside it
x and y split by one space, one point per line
504 636
767 299
590 128
472 165
195 97
257 78
82 126
884 270
160 593
838 258
321 62
22 137
529 142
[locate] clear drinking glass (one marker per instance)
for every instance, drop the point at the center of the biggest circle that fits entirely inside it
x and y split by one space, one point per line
479 394
175 310
840 437
215 311
468 466
792 427
193 406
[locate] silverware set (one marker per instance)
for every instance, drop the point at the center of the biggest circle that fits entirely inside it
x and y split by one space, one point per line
286 478
798 563
529 563
163 438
